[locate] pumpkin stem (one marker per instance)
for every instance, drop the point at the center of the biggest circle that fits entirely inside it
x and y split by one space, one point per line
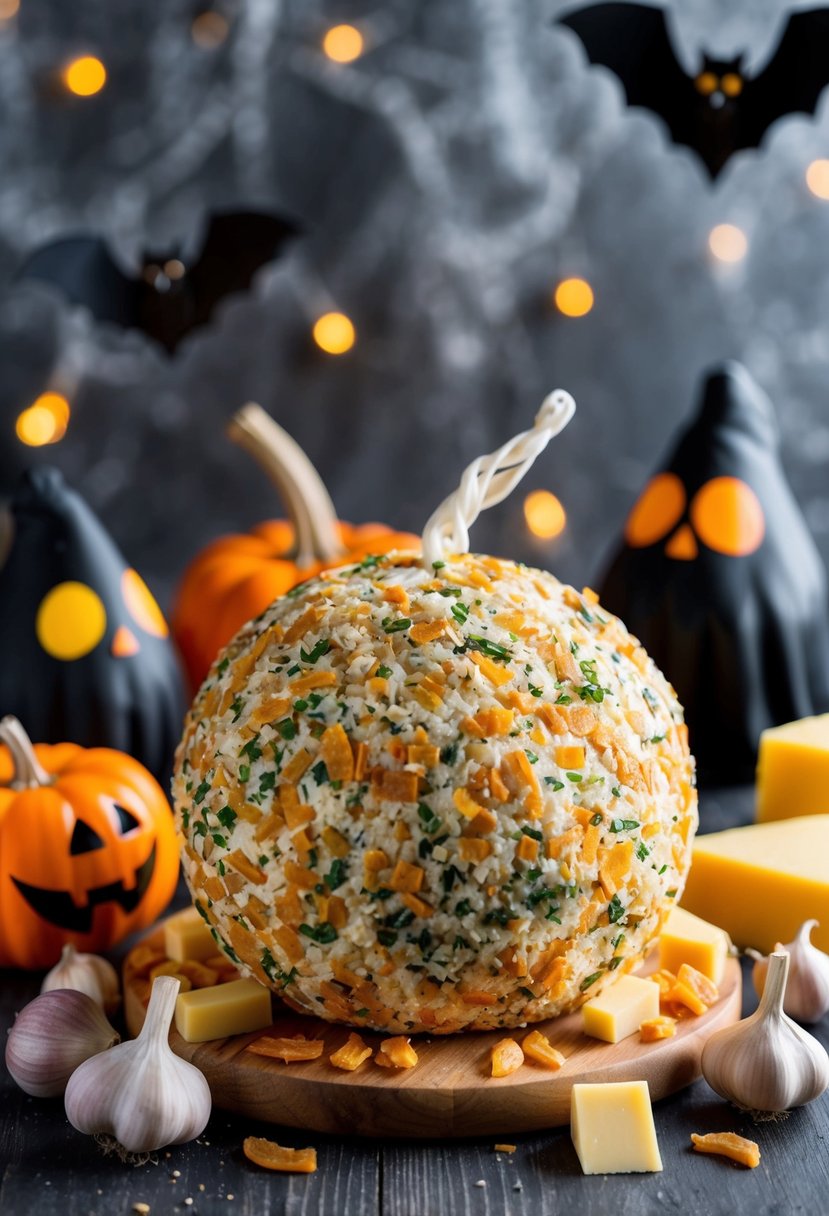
29 773
297 482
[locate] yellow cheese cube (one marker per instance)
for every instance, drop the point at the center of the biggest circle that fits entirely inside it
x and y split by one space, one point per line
793 770
616 1013
612 1128
226 1009
687 939
761 882
186 936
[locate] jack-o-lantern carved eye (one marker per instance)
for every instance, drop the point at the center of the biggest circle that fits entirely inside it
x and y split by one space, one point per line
141 606
84 839
70 621
727 517
127 822
658 509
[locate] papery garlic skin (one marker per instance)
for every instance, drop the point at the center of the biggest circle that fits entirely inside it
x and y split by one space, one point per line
87 973
52 1036
141 1093
807 989
767 1062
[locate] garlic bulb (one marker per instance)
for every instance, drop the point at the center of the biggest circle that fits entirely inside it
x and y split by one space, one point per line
85 973
52 1035
140 1092
767 1062
807 992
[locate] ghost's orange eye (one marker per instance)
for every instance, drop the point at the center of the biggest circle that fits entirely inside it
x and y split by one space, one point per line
660 506
731 84
727 517
141 605
70 621
706 83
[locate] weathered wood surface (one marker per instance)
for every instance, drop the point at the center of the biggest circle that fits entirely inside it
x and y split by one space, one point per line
50 1170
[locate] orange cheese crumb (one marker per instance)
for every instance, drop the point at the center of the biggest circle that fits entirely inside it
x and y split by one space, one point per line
351 1055
272 1156
396 1053
335 750
729 1144
507 1056
287 1050
426 631
538 1048
570 757
657 1028
504 1148
406 877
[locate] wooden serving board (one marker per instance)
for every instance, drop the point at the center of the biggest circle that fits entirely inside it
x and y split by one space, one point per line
450 1091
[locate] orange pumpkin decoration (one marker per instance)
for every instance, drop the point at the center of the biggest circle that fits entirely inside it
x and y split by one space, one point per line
88 848
236 577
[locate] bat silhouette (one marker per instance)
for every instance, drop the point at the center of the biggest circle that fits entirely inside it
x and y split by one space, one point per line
173 292
721 109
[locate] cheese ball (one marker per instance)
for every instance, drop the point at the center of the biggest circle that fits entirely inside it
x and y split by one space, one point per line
419 799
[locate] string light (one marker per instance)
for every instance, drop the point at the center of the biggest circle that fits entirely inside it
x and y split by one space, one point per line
574 297
334 333
8 9
209 29
44 421
728 243
544 514
85 76
343 43
817 178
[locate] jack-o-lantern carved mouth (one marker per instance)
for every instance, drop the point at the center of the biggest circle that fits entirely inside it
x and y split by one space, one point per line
59 909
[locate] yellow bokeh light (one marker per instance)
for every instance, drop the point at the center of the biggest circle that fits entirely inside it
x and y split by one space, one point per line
728 243
817 178
8 9
209 29
544 514
85 76
44 421
334 333
343 43
574 297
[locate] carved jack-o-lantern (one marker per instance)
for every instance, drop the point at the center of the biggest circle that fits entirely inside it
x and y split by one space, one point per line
84 649
88 850
719 577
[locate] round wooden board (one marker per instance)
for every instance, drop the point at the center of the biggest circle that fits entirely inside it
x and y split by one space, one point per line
450 1091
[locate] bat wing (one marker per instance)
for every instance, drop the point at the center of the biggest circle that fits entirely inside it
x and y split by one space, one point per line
792 80
83 269
236 245
633 41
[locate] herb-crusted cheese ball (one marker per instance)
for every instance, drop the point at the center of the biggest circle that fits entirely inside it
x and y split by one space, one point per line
435 800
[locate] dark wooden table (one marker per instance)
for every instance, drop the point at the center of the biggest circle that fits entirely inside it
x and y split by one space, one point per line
47 1168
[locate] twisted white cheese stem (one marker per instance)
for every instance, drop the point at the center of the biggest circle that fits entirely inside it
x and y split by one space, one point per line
489 479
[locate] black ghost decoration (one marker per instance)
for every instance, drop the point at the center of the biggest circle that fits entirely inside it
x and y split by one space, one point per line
720 579
85 655
175 291
720 109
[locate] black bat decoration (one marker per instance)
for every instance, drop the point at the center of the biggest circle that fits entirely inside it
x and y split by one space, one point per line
721 109
174 292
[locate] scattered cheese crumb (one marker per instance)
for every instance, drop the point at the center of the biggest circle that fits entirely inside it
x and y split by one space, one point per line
505 1148
480 1182
729 1144
143 1208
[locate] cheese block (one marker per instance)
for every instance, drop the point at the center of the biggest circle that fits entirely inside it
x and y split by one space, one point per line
186 936
225 1009
761 882
612 1128
620 1009
793 770
686 938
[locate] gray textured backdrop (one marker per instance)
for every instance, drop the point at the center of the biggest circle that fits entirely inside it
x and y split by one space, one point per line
448 179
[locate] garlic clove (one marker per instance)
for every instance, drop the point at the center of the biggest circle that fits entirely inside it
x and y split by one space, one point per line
767 1062
52 1036
141 1093
87 973
807 990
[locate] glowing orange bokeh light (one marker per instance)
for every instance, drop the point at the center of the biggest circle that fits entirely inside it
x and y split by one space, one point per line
728 243
44 421
343 43
85 76
817 178
545 516
574 297
334 333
